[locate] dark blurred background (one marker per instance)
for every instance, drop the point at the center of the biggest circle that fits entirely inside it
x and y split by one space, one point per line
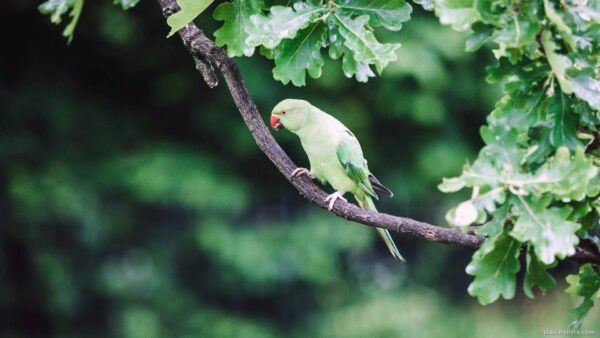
134 202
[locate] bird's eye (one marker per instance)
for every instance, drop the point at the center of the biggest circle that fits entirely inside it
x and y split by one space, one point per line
283 112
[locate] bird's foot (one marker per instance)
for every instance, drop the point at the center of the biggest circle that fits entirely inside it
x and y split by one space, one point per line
302 172
333 197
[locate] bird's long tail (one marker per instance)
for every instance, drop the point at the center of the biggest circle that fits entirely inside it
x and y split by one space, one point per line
367 204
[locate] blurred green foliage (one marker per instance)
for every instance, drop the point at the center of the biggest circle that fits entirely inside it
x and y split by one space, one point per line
135 203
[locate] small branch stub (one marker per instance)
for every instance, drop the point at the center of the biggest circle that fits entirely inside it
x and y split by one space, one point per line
205 68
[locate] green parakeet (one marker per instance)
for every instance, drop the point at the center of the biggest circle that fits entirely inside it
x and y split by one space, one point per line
334 154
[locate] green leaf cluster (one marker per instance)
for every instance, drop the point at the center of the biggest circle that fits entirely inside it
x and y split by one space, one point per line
57 8
532 178
295 36
585 284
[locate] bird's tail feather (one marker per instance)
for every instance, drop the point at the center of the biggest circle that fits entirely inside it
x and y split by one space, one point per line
367 204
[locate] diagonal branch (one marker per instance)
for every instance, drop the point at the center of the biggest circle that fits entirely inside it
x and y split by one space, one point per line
205 49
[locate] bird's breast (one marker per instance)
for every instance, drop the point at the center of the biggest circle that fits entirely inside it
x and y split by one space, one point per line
320 145
321 148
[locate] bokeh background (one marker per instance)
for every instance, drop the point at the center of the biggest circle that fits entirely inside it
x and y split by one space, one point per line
134 202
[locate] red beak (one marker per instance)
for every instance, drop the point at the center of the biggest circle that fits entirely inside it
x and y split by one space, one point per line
275 123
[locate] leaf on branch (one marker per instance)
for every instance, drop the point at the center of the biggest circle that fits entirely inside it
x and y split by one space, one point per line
493 12
586 284
360 70
460 14
75 14
573 281
586 115
587 87
536 274
293 57
519 31
499 71
497 162
495 225
540 147
487 200
565 121
236 15
567 177
547 228
426 4
451 184
502 145
281 23
481 34
555 18
559 63
494 266
190 9
288 34
362 42
387 13
56 8
475 210
463 215
585 84
588 11
533 163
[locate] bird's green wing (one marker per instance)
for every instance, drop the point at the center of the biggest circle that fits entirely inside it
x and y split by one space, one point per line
350 157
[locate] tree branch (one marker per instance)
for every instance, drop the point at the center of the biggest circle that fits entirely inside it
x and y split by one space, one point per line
206 50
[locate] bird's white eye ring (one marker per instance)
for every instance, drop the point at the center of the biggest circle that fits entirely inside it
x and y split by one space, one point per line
283 112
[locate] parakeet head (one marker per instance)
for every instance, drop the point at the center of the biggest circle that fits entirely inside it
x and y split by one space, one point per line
289 114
